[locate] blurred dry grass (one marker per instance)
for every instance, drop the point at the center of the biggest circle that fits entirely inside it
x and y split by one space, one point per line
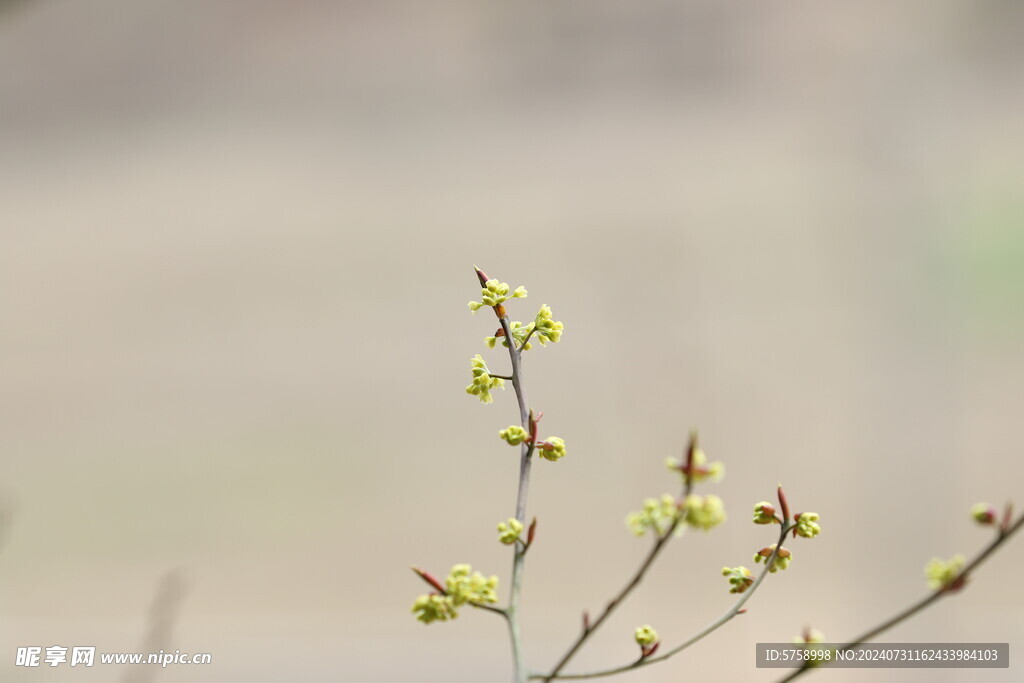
236 252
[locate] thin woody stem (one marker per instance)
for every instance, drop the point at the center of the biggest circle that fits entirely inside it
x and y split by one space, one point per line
511 612
651 556
1001 538
489 608
707 630
526 459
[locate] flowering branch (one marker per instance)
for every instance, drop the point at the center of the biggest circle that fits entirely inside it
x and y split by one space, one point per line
953 584
661 541
525 460
664 518
737 608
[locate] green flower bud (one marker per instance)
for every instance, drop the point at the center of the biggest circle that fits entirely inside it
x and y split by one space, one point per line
551 448
984 514
514 435
704 512
434 607
740 578
782 560
465 585
658 516
483 383
645 636
508 532
942 574
807 524
764 513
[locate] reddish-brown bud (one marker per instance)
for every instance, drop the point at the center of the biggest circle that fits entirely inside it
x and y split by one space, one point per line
691 449
784 504
429 578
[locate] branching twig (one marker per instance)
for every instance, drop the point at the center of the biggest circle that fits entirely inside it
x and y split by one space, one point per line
652 555
1003 535
707 630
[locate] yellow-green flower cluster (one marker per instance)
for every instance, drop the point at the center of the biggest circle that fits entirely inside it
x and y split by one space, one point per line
704 512
545 328
551 448
658 516
514 435
508 532
495 293
434 607
483 383
983 514
702 471
941 574
782 559
464 585
645 636
807 524
764 513
740 578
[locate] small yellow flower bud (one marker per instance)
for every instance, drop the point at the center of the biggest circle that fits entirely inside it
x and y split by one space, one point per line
704 512
984 514
513 434
508 532
764 513
430 608
942 574
645 636
782 559
465 585
551 448
740 578
807 524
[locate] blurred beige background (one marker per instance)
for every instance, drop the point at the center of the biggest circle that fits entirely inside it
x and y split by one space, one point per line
236 242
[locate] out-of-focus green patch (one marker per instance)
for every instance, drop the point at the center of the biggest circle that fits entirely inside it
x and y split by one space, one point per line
994 263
